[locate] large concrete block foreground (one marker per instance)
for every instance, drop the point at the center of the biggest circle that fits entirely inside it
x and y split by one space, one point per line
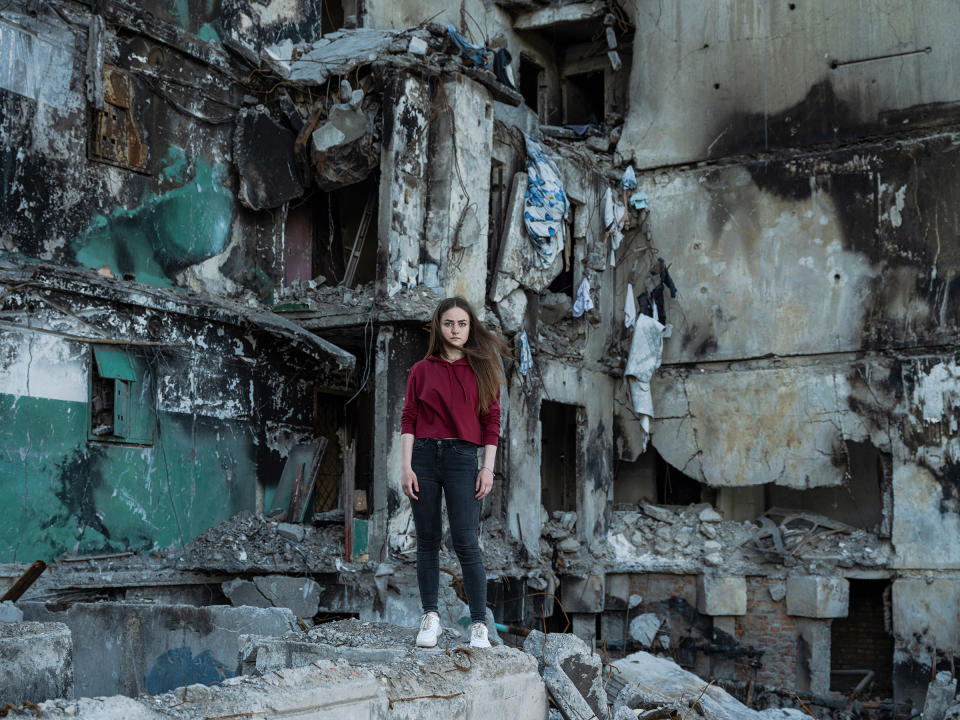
128 649
36 661
496 684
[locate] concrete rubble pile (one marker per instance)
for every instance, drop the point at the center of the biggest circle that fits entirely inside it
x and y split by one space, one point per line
730 424
368 669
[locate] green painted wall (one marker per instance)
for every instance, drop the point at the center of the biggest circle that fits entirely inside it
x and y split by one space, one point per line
167 231
63 494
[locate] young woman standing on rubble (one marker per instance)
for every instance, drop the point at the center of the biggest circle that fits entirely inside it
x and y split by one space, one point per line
452 409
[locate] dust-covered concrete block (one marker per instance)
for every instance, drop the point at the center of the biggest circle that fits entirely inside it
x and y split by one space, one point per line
300 595
818 597
36 661
582 595
721 595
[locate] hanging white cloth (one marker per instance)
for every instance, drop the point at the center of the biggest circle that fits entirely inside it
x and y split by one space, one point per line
584 302
646 352
614 213
629 308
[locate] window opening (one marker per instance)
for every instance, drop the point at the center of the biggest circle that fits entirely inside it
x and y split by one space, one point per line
673 487
121 406
530 81
859 501
345 233
584 98
564 282
332 16
558 459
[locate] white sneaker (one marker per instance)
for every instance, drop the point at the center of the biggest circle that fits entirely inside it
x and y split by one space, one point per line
429 630
478 635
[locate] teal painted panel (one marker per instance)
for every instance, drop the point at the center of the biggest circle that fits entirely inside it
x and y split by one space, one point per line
114 363
361 534
62 494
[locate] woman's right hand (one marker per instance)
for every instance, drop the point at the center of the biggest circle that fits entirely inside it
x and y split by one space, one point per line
409 483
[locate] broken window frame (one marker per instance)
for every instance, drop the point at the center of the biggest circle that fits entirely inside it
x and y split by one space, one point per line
120 384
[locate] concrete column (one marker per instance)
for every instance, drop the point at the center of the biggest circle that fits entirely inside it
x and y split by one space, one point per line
523 442
816 634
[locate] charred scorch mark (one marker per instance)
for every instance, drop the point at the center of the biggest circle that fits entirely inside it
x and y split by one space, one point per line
821 117
79 477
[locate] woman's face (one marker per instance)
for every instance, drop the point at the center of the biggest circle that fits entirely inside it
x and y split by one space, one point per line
455 326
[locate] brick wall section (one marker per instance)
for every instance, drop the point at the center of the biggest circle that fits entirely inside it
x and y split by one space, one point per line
767 627
860 640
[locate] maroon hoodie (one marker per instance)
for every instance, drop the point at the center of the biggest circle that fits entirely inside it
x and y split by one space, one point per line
442 403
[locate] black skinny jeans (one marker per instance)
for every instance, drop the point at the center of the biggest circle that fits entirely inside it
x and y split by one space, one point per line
448 467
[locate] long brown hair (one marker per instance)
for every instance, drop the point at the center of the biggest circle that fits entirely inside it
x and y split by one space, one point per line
483 350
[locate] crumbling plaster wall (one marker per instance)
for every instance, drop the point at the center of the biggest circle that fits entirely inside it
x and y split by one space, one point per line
433 222
818 294
211 391
709 79
175 219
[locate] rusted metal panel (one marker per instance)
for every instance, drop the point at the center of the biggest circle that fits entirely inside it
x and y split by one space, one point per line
116 138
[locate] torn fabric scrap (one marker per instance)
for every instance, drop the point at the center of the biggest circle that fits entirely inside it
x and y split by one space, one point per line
614 214
629 179
629 308
584 302
526 357
639 201
477 54
646 351
545 205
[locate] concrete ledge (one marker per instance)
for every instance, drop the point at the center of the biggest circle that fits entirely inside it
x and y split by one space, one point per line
818 597
36 661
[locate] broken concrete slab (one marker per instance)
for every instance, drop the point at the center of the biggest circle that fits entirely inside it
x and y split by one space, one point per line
10 612
553 16
343 149
335 54
300 595
355 641
644 628
126 648
818 597
36 661
659 679
721 595
570 670
511 310
263 151
242 592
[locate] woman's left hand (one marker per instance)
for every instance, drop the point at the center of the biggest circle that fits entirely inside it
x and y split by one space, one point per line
484 482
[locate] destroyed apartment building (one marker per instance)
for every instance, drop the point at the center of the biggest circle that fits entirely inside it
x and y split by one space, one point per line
730 449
